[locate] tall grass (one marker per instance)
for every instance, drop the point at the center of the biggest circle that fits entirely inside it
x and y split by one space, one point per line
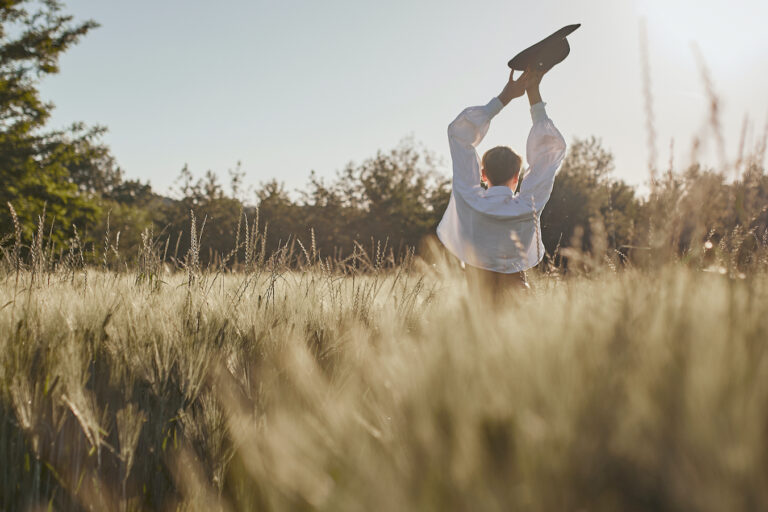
392 389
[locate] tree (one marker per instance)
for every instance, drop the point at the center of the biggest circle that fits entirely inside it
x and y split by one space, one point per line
278 215
584 193
402 193
395 197
43 170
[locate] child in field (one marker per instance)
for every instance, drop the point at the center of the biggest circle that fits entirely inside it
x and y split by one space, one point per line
496 231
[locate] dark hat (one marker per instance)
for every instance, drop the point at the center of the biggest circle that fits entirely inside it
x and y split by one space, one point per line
546 53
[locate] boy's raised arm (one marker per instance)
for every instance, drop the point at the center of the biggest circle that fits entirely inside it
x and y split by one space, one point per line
545 149
532 87
514 88
469 129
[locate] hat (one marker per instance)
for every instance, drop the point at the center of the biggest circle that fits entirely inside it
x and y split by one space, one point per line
546 53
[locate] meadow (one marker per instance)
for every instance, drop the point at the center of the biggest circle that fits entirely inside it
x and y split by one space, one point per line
276 364
276 388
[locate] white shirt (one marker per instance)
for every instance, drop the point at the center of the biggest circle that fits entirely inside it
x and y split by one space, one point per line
496 229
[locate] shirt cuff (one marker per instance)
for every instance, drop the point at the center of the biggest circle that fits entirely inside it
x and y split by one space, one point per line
538 113
494 106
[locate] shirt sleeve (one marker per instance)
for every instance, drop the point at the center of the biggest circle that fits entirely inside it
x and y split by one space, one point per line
464 134
545 151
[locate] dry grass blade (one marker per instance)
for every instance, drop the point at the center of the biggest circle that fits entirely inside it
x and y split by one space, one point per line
650 124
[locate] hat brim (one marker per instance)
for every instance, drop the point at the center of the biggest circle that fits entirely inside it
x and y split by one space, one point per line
546 53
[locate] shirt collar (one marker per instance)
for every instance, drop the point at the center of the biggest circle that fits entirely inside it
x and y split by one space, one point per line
499 190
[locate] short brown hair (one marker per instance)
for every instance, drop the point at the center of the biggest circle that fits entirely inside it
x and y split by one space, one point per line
501 164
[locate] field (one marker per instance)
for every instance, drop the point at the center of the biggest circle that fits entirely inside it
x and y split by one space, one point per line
392 390
210 344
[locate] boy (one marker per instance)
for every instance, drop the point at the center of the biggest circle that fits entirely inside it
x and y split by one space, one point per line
495 231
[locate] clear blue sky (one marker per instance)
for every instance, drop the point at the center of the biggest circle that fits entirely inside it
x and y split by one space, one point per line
287 86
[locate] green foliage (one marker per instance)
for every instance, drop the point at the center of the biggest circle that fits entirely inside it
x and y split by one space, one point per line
41 170
392 200
218 213
684 209
585 193
703 203
395 196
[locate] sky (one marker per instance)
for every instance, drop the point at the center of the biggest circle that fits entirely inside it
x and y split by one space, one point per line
287 86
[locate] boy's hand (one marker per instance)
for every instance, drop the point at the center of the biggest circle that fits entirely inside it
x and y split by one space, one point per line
534 78
514 88
532 85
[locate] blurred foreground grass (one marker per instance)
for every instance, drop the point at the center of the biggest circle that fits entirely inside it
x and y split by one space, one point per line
402 390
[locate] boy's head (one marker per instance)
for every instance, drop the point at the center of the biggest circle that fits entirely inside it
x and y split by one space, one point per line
501 166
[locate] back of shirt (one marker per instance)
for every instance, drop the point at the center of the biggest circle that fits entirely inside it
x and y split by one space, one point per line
495 229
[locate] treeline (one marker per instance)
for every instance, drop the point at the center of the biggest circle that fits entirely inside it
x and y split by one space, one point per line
66 187
388 204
